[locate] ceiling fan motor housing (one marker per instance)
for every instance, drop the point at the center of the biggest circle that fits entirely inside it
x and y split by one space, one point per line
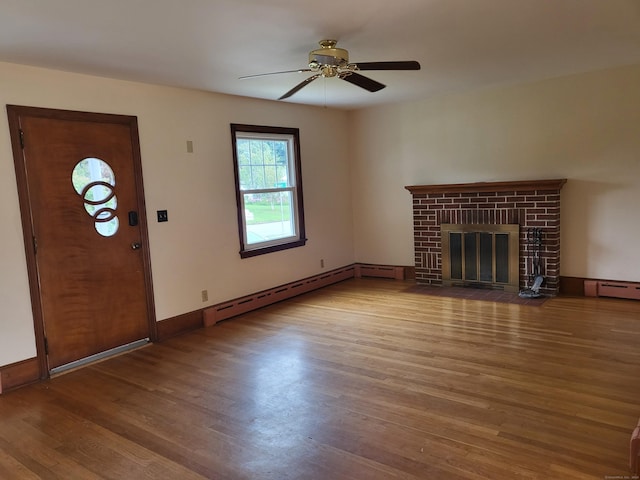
328 55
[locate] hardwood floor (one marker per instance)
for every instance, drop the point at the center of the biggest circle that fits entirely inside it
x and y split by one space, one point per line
360 380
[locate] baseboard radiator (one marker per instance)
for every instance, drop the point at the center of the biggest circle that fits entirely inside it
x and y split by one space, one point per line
380 271
238 306
604 288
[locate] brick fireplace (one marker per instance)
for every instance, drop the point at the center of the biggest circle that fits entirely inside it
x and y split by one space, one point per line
531 204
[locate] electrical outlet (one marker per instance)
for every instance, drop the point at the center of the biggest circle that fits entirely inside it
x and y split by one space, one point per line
163 216
322 263
205 295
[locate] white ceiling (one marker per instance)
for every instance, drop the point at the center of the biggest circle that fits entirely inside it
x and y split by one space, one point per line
208 44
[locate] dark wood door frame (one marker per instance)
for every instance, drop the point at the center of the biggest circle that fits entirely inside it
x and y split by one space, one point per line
14 112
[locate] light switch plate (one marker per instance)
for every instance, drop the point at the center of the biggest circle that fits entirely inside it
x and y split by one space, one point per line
163 216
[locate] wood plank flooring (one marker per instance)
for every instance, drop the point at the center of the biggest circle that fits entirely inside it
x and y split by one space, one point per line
360 380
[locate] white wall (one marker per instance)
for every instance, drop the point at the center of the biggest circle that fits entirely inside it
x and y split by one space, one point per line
585 128
198 248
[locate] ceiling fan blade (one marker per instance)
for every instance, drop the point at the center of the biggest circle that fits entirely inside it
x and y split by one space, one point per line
363 82
301 85
301 70
408 65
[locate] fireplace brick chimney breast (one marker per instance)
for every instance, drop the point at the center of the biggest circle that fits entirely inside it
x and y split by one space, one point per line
530 204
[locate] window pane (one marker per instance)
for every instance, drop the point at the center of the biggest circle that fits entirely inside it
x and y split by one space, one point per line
268 216
107 229
242 147
282 177
262 163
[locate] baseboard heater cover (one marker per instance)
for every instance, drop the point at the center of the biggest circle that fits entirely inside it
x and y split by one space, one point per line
604 288
380 271
222 311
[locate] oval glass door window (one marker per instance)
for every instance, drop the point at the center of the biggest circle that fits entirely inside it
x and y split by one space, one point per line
93 179
108 229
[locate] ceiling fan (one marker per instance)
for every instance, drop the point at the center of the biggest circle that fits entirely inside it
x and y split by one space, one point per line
330 61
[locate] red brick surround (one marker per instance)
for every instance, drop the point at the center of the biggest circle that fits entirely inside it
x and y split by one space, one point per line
531 204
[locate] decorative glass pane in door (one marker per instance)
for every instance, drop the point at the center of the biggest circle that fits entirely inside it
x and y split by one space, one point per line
93 179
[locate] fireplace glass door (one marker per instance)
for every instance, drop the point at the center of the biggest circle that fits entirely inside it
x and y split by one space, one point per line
480 255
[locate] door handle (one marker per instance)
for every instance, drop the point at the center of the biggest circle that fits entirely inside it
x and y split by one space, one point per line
135 246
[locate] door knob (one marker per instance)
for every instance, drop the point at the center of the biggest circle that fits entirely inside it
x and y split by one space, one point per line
135 246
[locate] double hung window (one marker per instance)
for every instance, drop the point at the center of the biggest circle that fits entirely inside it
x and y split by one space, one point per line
268 188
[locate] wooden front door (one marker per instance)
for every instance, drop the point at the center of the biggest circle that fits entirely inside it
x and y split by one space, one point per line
79 178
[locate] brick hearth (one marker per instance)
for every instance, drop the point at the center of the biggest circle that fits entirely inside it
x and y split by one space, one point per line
531 204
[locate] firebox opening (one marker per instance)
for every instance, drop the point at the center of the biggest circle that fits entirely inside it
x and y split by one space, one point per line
481 256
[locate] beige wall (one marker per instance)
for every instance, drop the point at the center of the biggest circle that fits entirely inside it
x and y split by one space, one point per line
585 128
198 248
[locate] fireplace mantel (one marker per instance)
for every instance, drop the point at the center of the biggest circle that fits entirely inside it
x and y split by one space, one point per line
554 184
531 204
